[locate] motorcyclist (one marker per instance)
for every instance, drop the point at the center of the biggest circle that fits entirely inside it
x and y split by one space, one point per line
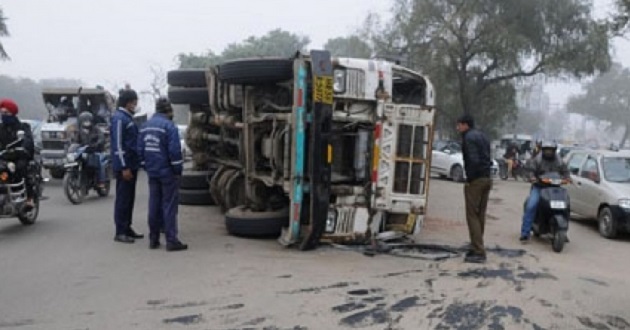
9 127
511 152
546 161
91 136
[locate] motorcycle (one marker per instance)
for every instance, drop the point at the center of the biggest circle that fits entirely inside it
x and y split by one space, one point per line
13 188
552 214
81 175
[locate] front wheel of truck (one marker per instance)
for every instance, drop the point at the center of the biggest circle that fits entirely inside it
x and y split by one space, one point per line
241 221
256 71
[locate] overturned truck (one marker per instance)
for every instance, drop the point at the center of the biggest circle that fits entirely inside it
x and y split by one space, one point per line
311 148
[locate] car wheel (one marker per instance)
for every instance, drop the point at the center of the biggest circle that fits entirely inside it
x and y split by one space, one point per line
241 221
457 173
607 225
187 78
193 95
256 71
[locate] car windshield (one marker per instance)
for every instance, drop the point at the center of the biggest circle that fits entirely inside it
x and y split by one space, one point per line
616 169
439 145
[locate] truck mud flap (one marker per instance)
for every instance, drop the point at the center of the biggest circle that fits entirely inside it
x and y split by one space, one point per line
320 150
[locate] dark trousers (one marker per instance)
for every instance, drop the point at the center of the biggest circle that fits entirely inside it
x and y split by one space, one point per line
163 206
476 195
125 199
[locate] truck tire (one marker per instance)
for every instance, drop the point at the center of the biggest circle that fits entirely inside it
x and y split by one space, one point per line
256 71
195 180
240 221
195 197
187 78
193 95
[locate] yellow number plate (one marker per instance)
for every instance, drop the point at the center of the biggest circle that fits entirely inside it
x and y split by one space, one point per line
323 91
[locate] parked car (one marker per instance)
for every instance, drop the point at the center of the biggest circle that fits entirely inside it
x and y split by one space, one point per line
601 188
448 161
186 153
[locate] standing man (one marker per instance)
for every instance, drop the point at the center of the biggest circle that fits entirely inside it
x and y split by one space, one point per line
125 163
477 163
161 155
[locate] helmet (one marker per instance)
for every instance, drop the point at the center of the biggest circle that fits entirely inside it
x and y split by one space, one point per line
85 120
548 149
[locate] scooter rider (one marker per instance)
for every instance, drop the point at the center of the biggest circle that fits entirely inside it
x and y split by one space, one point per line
9 126
91 136
545 161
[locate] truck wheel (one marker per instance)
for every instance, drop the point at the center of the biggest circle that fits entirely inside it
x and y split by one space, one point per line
607 225
57 173
193 95
256 71
195 197
240 221
187 78
195 180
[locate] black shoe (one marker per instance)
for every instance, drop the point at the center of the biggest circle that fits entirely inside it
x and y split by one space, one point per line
154 245
124 239
475 258
524 239
179 246
131 233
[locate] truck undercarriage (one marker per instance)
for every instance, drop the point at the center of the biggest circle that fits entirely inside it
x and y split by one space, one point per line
311 148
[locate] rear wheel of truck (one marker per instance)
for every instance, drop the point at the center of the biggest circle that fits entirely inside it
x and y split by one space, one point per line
256 71
241 221
195 197
195 180
187 78
184 95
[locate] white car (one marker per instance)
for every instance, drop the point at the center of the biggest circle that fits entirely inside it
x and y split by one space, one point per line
186 153
448 161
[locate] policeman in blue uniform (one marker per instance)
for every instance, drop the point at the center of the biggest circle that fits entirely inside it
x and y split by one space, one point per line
125 164
161 155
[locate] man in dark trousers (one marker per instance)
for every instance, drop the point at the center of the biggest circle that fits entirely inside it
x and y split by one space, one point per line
161 155
125 164
477 163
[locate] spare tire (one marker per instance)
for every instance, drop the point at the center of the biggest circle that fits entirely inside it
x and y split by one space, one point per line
240 221
256 71
187 78
195 180
195 197
192 95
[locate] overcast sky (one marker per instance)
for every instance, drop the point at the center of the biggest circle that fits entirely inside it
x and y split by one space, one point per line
117 41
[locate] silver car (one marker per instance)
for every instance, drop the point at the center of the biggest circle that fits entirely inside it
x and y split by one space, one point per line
601 188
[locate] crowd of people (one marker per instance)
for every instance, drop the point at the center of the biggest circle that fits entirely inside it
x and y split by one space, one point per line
154 147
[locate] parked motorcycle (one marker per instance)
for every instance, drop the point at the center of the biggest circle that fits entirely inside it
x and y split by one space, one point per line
82 174
552 214
13 188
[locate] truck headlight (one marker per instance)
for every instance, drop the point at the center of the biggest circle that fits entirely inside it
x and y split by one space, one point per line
624 203
70 158
339 85
45 135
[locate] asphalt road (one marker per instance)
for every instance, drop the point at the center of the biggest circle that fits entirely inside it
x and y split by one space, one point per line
66 272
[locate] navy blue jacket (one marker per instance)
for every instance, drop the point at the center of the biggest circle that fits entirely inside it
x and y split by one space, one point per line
476 152
159 147
124 141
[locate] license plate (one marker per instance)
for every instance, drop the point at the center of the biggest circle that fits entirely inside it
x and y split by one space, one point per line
558 205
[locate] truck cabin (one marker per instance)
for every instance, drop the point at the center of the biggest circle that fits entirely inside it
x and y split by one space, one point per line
64 103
